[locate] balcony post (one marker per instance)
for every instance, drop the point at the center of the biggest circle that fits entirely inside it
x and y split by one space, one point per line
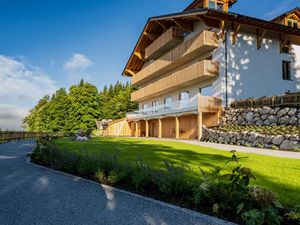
177 128
199 126
147 128
159 128
136 128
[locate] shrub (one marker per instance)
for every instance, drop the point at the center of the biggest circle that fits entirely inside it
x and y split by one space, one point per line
174 181
262 196
87 166
45 152
141 176
253 217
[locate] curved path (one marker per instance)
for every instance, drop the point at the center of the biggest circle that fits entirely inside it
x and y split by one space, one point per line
30 195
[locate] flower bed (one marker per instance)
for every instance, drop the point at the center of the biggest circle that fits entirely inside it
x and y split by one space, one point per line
224 195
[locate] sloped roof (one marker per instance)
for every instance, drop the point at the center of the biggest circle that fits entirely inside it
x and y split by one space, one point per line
159 24
295 10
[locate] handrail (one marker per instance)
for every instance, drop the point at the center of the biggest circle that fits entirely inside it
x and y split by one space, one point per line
19 135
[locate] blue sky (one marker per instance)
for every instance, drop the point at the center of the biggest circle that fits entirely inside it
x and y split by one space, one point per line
47 44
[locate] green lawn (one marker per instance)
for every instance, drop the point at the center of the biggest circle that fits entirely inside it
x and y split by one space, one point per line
278 174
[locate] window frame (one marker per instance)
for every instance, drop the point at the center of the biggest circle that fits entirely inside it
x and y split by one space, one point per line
180 99
216 4
286 70
155 106
168 105
145 108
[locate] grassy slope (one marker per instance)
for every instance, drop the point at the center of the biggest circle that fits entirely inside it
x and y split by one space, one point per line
280 175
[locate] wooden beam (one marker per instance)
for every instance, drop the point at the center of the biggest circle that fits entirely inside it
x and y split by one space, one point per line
236 29
260 36
159 128
184 24
151 36
147 128
132 73
177 128
140 55
136 129
222 25
209 21
164 24
199 126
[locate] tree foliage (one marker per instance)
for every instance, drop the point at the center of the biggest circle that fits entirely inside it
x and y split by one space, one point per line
79 108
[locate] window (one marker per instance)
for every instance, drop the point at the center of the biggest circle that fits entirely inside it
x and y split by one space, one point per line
206 91
184 99
285 48
168 102
215 4
286 70
293 23
145 108
155 106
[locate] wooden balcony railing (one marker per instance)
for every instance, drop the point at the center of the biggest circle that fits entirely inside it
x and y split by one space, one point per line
18 135
209 104
201 71
168 40
197 45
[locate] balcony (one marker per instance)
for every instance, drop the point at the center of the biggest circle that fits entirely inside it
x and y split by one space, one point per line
201 71
197 45
198 103
168 40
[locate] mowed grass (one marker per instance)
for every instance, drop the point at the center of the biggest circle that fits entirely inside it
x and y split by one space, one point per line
281 175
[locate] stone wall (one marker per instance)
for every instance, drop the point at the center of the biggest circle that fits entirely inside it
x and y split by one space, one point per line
284 142
262 116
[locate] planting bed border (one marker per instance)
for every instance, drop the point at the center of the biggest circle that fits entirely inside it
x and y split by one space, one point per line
207 219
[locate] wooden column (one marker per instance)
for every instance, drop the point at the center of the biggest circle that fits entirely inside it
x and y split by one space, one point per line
177 128
159 128
199 126
147 128
136 129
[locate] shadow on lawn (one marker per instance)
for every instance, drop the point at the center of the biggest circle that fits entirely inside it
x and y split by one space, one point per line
156 152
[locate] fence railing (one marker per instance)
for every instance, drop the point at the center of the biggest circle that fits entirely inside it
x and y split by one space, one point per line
18 135
292 100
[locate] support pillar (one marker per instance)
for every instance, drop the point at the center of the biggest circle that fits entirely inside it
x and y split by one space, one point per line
199 126
177 128
136 129
147 128
159 128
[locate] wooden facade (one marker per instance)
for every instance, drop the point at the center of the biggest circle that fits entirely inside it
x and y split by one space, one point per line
198 45
168 40
201 71
119 128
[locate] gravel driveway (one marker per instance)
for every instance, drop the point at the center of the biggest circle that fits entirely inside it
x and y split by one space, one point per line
31 195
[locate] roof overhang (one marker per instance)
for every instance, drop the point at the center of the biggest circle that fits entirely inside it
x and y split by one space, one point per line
295 10
212 18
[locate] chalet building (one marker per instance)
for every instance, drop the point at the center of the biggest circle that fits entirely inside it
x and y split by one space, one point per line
188 65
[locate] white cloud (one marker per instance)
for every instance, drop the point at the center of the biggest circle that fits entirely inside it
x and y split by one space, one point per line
77 62
11 117
22 85
22 82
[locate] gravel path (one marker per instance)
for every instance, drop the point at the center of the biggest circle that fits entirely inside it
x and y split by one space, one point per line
30 195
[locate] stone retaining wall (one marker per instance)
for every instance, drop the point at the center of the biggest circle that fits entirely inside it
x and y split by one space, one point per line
262 116
284 142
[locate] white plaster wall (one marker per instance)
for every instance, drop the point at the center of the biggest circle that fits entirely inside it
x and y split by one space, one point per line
255 72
